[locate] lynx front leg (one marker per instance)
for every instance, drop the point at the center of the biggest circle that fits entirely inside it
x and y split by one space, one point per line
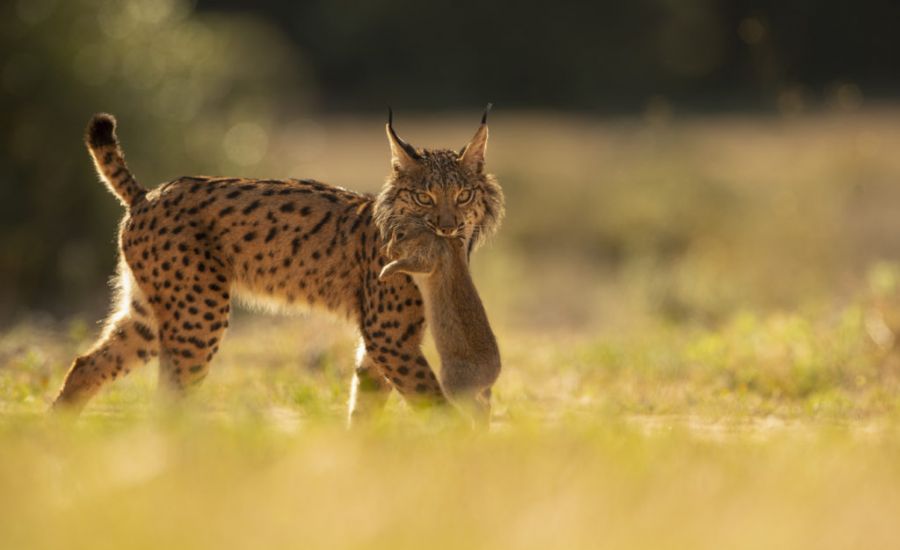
392 327
369 390
411 375
394 350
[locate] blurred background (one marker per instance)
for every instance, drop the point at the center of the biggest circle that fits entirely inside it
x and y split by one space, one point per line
696 290
679 161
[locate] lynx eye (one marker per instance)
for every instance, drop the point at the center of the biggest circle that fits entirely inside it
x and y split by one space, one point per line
464 196
424 199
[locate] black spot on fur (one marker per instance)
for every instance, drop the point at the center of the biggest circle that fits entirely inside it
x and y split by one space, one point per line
316 228
144 332
251 207
138 308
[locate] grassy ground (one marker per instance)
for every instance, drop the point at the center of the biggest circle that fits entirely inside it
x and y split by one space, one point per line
697 323
773 432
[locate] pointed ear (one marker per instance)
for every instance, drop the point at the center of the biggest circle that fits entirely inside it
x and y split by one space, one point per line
472 155
403 155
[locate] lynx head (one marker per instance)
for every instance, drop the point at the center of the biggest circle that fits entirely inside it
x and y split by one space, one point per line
446 191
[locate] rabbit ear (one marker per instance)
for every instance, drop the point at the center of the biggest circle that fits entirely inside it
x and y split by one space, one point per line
403 155
472 155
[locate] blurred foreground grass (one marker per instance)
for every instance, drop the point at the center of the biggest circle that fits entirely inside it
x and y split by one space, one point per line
768 432
697 321
162 483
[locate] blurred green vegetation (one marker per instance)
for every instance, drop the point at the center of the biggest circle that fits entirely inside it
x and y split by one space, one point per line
219 483
773 431
826 362
740 262
601 56
699 215
194 93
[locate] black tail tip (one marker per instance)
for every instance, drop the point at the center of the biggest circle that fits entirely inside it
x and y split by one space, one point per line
101 130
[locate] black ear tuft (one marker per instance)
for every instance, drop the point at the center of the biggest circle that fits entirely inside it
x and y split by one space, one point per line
101 130
407 148
486 111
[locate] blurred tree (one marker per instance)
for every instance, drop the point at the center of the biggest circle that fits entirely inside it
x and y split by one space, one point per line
190 88
602 56
202 84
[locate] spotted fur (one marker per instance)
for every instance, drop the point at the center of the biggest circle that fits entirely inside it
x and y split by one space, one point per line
190 246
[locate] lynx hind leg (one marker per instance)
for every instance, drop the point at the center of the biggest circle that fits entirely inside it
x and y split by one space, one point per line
130 339
405 265
193 320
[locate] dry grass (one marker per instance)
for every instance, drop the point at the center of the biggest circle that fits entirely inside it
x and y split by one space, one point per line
697 323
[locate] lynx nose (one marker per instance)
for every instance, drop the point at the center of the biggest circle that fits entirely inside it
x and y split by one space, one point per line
446 230
446 225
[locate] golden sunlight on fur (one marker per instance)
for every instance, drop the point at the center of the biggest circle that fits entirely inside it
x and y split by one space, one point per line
190 245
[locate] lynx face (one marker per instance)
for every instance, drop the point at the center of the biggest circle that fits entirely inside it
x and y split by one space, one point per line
447 192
